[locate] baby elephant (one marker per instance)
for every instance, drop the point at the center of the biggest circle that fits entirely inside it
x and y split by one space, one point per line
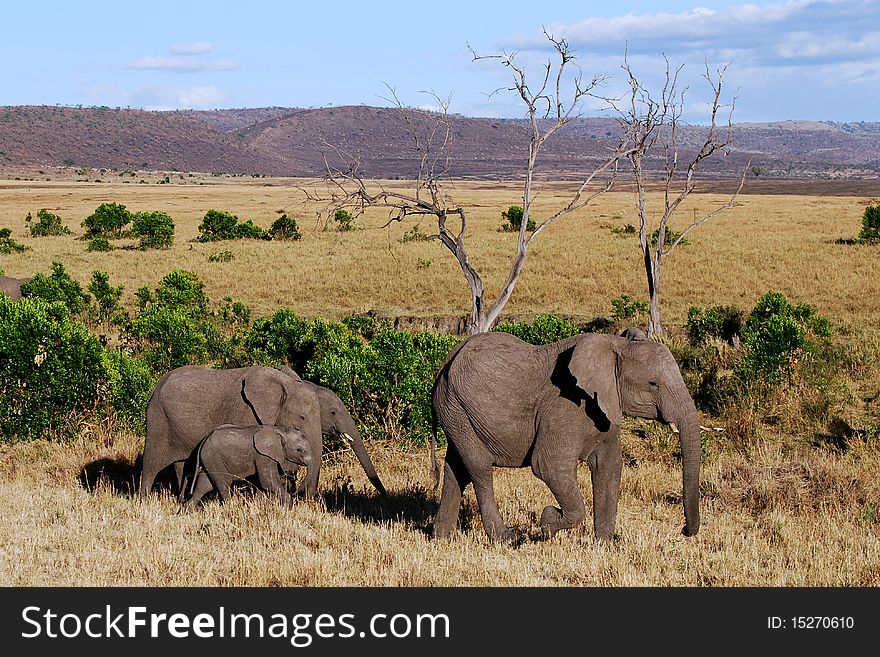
232 452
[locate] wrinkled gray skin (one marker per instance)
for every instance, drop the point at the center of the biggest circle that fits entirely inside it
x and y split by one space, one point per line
337 421
12 286
190 401
231 453
505 403
633 333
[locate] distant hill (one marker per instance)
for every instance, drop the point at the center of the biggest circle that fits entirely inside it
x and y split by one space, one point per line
295 142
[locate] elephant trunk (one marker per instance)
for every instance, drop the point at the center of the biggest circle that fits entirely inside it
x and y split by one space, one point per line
353 437
689 432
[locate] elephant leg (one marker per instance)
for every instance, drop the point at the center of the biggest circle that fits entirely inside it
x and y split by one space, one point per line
270 479
178 473
455 480
606 463
561 479
484 487
202 487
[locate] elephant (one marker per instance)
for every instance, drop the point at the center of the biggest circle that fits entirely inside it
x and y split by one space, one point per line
12 286
505 403
189 401
337 421
231 452
633 333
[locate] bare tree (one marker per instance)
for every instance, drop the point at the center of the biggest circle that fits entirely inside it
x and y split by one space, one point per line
654 123
558 98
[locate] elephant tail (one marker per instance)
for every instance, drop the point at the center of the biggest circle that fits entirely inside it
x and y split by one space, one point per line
435 465
196 466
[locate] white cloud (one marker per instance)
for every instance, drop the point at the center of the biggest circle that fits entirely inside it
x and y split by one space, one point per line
180 64
197 48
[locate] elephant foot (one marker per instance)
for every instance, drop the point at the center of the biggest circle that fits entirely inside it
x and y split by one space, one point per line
551 521
441 532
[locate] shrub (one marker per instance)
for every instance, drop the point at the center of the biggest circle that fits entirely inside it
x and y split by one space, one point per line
49 224
221 225
774 334
514 215
344 220
173 326
106 296
544 329
625 309
9 245
51 369
127 389
383 375
722 322
870 232
671 236
222 256
108 220
99 244
415 235
285 228
57 287
155 229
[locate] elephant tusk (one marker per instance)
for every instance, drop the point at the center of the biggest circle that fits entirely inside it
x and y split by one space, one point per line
673 427
348 438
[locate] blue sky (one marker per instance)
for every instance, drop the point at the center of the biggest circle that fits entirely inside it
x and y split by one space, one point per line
788 59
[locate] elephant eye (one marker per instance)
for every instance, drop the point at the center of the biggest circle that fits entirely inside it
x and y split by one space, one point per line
653 384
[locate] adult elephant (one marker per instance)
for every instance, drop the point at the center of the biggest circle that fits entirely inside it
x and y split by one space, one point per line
12 286
505 403
336 421
190 401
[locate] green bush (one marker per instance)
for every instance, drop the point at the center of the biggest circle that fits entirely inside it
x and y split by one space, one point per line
285 228
344 220
416 234
514 215
155 229
49 224
106 297
625 309
51 369
671 236
544 329
99 244
383 375
58 286
722 322
9 245
127 388
108 220
221 225
870 232
173 326
774 335
222 256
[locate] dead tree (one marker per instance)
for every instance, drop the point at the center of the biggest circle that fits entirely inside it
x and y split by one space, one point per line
557 100
654 124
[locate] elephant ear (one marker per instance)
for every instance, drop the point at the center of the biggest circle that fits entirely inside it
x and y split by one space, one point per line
264 390
594 365
267 441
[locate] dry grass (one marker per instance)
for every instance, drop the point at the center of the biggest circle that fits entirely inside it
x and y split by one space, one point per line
774 520
776 511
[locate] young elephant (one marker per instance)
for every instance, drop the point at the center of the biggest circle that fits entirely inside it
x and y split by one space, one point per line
232 452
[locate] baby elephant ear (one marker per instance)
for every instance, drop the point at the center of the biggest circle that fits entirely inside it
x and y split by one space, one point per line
594 364
633 333
267 441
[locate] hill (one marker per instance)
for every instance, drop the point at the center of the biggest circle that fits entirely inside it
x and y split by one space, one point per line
295 142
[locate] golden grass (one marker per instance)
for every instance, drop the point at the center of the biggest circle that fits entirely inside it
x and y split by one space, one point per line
576 267
766 522
776 511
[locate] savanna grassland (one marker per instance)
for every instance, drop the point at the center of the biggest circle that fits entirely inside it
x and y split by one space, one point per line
794 501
